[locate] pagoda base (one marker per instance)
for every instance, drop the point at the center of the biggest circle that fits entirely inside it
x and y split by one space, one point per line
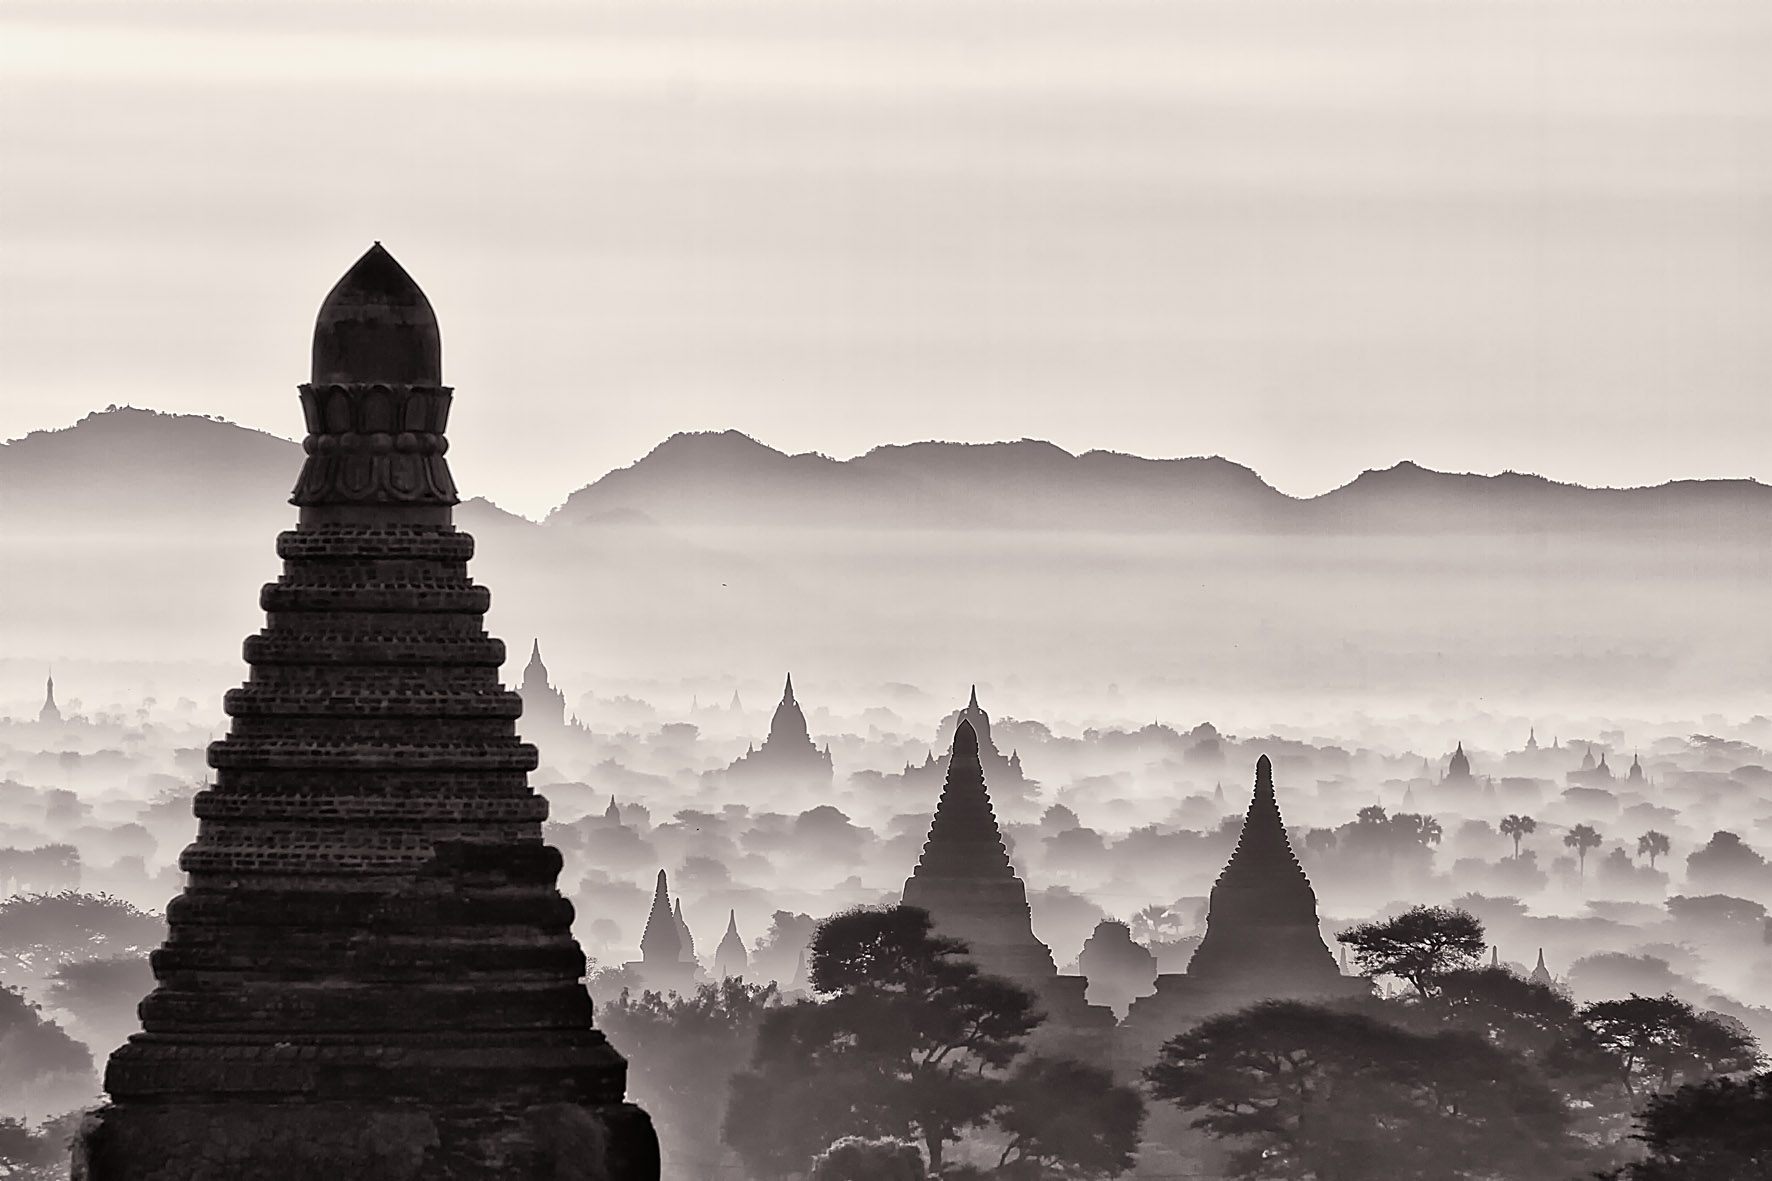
359 1141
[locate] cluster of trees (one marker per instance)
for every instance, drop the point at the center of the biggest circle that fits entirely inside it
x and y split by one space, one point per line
906 1044
1470 1072
909 1060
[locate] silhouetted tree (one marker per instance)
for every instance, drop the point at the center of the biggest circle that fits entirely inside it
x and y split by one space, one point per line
682 1053
1657 1043
33 1051
1068 1120
1653 844
1517 827
912 1040
1418 945
1423 830
40 931
1518 1015
1706 1131
1727 863
856 1159
1305 1091
1581 838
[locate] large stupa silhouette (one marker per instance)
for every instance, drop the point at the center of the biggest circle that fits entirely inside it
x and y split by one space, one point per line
369 971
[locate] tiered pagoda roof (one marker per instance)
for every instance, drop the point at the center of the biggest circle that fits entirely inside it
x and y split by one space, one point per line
369 971
964 878
1261 921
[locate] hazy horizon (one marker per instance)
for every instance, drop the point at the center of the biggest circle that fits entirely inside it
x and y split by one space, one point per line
1315 241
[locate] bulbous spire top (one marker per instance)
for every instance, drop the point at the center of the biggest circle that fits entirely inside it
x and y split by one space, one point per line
376 327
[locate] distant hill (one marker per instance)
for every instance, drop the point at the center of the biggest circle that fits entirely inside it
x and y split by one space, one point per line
727 478
124 464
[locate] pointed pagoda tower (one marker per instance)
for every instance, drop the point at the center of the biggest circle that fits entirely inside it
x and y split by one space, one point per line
730 958
688 940
50 714
661 965
369 972
964 879
1261 921
788 755
1262 937
542 703
966 883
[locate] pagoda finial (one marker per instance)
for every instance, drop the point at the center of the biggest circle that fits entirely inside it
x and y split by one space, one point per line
376 406
376 327
973 704
787 692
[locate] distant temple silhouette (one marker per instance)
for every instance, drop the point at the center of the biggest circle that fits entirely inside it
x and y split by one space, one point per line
543 705
966 883
1262 935
667 950
1590 773
730 958
51 713
1458 770
370 971
788 756
1004 772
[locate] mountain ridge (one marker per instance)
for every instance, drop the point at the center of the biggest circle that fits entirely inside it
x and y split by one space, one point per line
128 460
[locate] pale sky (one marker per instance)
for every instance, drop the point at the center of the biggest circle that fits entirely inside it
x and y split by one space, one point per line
1312 237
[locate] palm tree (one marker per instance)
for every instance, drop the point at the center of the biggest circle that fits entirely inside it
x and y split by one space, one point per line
1153 920
1581 838
1517 827
1654 844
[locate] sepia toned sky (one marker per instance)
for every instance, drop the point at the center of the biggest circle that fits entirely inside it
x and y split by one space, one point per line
1312 237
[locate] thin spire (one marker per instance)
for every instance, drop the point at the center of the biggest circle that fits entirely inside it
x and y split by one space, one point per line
661 944
683 933
787 693
964 840
973 704
1263 855
1261 920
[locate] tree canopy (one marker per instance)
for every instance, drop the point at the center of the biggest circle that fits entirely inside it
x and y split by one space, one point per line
1705 1131
682 1053
907 1039
1419 946
1308 1091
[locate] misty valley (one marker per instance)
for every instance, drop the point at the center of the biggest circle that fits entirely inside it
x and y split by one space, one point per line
1495 936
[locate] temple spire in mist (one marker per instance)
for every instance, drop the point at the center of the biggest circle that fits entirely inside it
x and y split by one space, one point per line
50 712
964 840
964 878
661 944
1261 921
683 934
730 958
